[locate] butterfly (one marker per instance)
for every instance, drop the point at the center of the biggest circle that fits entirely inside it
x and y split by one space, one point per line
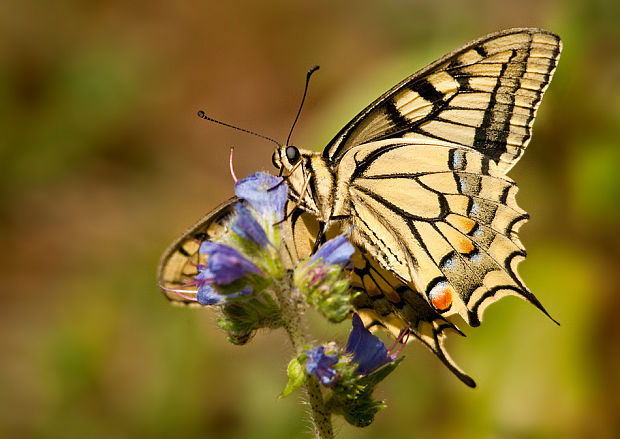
420 174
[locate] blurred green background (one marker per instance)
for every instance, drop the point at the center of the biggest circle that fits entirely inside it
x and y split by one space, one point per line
103 163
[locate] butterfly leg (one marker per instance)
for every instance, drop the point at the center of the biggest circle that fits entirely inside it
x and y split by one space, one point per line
320 239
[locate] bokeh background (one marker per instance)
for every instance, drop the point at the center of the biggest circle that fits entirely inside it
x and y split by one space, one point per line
103 162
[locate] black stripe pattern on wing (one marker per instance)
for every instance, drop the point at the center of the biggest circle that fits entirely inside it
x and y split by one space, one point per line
484 95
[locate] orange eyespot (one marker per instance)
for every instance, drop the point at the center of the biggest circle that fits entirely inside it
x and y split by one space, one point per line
441 297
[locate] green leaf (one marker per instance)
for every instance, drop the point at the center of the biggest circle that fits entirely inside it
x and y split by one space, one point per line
376 377
296 376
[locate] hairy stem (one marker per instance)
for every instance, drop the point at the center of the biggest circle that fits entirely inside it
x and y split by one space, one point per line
291 307
320 415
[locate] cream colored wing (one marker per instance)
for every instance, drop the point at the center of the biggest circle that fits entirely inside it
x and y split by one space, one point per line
483 95
442 218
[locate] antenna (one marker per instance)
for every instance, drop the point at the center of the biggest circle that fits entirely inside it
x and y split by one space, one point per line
303 98
202 115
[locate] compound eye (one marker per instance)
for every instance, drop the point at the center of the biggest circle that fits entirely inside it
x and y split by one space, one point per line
292 154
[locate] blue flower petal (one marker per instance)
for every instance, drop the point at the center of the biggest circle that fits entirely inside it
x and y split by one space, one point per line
207 295
225 263
265 193
336 251
368 350
203 277
248 228
320 364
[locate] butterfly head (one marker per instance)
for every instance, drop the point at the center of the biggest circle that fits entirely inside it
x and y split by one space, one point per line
286 158
298 169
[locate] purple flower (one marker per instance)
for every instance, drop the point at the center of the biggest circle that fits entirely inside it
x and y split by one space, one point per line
248 228
206 294
368 350
336 251
320 364
265 193
226 264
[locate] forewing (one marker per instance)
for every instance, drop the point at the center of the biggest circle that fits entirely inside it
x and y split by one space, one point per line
443 219
483 95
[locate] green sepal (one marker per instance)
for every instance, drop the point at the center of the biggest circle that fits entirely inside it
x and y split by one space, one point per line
241 318
380 374
257 282
352 398
296 372
330 295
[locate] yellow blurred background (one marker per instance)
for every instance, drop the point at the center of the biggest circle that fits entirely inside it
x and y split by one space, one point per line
104 162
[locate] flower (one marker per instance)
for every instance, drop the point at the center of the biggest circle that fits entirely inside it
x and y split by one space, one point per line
323 280
266 194
207 294
336 251
244 225
368 350
226 264
320 364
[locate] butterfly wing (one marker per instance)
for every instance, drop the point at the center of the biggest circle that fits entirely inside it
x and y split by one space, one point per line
446 223
483 95
177 266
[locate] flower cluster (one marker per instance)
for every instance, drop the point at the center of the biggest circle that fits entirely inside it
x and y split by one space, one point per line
351 375
246 259
365 351
244 278
243 265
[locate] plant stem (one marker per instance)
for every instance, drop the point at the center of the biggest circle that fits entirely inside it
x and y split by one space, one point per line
320 415
292 314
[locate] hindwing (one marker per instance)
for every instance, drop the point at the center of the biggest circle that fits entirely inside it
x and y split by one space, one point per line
379 297
177 266
483 95
386 301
